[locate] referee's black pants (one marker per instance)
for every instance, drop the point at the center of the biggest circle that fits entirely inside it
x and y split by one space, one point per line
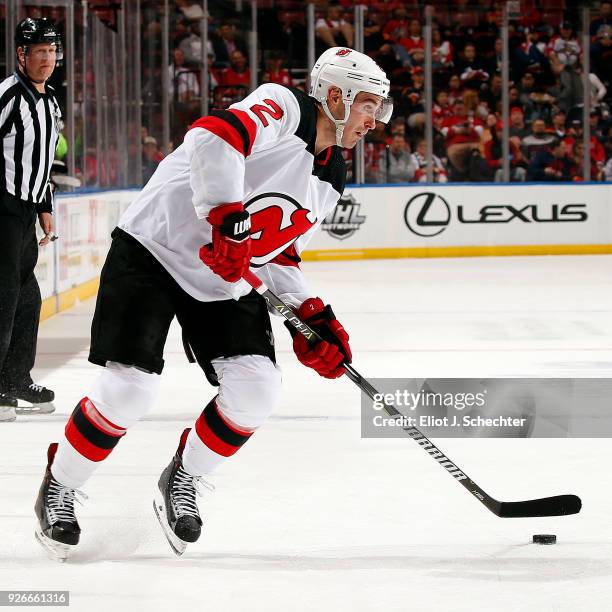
19 292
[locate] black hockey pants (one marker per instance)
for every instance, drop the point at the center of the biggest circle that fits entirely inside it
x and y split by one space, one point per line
19 292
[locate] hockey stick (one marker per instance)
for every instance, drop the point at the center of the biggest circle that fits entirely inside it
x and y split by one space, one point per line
558 505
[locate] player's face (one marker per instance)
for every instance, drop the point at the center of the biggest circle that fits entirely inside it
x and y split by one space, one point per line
40 61
362 118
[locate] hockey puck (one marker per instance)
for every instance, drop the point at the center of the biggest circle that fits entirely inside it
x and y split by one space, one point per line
544 538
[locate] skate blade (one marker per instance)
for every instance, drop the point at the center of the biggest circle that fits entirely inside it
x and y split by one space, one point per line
47 408
56 551
177 545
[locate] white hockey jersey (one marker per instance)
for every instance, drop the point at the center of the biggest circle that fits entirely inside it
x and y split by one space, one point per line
261 152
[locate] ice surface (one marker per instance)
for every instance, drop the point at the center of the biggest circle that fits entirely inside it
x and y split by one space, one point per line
309 516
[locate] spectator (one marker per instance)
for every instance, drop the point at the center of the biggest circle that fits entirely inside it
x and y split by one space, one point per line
551 163
514 96
291 39
471 68
462 134
530 54
414 44
238 72
225 41
144 132
442 52
333 30
455 89
486 32
494 63
558 127
398 27
374 146
275 73
413 98
492 94
575 135
191 46
604 19
419 159
184 84
494 152
565 47
538 140
398 127
528 97
597 126
598 90
597 170
214 75
387 60
373 38
396 164
601 53
178 32
151 156
475 106
518 129
569 90
442 108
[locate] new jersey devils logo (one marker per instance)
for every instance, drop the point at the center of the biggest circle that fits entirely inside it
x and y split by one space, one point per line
277 220
343 52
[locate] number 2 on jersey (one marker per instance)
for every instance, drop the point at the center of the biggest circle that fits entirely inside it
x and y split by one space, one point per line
272 109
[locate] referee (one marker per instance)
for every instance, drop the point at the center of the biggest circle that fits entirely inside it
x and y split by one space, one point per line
29 115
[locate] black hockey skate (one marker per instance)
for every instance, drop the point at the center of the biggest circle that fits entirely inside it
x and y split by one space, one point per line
175 505
7 407
38 396
58 531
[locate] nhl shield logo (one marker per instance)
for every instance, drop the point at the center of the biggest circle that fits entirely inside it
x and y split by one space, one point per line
344 220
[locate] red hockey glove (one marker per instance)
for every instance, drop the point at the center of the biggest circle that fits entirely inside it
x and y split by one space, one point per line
230 252
327 355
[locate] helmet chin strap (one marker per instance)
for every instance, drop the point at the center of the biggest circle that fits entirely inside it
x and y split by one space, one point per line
339 123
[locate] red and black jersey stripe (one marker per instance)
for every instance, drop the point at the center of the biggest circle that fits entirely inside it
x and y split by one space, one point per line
233 125
90 433
217 433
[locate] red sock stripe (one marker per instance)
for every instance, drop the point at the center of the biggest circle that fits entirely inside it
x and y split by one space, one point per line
90 433
213 441
83 446
218 434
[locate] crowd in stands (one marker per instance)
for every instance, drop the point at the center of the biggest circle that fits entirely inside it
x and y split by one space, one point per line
546 83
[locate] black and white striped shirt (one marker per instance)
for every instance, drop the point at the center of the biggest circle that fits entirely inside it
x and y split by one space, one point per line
28 136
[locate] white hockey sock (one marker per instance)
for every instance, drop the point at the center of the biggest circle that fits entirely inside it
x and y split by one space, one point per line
70 468
249 389
119 397
198 459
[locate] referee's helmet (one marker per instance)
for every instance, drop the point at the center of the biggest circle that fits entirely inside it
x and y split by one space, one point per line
38 31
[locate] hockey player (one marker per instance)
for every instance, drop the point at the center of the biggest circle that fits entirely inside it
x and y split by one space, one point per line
248 187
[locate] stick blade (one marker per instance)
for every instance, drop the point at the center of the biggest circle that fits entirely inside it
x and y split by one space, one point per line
560 505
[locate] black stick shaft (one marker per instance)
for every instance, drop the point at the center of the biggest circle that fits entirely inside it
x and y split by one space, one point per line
549 506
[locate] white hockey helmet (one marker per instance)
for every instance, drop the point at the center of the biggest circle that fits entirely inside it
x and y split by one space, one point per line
352 72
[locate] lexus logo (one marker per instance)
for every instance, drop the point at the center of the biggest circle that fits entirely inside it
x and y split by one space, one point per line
427 214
